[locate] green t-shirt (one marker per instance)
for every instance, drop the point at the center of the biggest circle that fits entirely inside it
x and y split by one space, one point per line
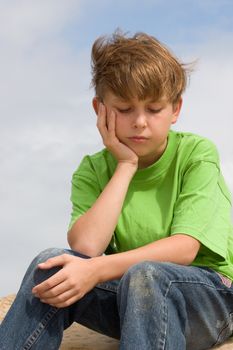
183 192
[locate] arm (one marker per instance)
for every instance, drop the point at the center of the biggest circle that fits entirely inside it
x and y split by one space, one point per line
78 276
179 249
93 231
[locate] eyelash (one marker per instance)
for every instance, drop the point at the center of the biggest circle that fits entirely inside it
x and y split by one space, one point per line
155 110
124 111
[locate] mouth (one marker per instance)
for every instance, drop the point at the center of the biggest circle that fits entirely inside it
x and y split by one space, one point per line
138 139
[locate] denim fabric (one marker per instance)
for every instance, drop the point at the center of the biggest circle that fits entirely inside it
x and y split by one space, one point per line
156 305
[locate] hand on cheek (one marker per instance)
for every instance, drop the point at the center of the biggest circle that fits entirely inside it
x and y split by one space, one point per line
106 124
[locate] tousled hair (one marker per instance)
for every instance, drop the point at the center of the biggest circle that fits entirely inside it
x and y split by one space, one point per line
138 66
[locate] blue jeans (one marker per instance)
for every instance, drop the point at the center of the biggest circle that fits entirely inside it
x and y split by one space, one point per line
155 305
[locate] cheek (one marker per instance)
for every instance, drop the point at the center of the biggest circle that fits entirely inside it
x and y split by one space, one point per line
120 127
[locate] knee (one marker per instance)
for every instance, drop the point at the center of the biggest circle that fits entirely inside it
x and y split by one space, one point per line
147 277
141 277
43 256
140 287
40 275
142 271
48 253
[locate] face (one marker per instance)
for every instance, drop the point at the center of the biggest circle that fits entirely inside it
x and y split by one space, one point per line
143 126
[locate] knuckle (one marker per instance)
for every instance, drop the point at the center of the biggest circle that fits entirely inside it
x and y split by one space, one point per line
65 257
50 294
48 285
60 299
49 260
73 284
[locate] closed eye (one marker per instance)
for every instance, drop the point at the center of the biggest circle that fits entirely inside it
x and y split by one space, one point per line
125 110
155 111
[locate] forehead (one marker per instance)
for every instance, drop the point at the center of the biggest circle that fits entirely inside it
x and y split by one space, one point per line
112 98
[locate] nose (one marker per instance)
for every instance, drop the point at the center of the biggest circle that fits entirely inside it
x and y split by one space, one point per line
140 121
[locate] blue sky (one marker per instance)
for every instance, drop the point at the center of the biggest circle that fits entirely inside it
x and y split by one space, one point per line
47 122
181 21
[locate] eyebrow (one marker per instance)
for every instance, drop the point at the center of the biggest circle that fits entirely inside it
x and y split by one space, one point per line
121 100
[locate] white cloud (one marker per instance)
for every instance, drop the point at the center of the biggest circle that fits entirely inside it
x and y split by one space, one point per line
25 22
207 106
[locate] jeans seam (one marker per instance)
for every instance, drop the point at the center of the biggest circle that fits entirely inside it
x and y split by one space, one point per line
40 328
162 339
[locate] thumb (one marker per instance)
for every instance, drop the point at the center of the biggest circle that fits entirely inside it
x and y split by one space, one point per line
52 262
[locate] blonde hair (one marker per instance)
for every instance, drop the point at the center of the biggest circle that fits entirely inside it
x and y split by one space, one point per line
138 66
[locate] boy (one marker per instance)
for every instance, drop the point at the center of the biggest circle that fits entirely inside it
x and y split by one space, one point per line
150 235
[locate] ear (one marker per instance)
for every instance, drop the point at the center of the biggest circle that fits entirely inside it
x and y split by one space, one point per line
96 103
176 110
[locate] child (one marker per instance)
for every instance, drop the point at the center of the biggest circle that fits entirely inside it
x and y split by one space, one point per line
151 259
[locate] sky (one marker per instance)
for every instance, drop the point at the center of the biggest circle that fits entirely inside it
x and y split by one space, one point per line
46 119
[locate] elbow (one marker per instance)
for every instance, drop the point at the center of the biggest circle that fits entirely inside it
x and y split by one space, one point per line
83 248
188 259
191 254
188 248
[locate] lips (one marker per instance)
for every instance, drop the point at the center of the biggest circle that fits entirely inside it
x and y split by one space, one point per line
138 139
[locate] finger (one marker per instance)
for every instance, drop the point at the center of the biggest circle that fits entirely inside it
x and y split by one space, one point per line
55 291
102 109
111 123
101 114
102 122
53 262
51 282
68 302
59 299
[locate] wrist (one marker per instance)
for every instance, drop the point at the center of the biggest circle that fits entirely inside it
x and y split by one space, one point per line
110 267
129 166
98 263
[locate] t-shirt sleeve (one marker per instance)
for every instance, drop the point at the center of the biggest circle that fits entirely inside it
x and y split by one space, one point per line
203 204
85 189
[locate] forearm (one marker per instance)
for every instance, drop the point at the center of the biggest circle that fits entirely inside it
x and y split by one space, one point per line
180 249
93 231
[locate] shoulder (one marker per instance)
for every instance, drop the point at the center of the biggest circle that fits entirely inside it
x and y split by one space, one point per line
194 148
95 163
